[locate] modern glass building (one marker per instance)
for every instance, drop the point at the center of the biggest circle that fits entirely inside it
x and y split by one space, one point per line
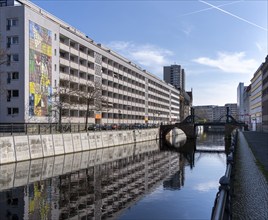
46 56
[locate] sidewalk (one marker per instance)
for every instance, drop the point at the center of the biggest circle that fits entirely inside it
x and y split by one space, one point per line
250 200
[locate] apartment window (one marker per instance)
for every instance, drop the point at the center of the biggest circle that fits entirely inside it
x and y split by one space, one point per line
12 111
12 40
11 22
12 76
12 58
55 52
55 36
12 93
8 95
15 75
15 93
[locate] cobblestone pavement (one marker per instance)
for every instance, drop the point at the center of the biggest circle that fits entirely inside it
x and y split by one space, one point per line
250 199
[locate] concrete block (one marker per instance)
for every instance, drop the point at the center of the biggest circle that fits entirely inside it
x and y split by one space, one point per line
35 144
7 172
85 159
115 138
7 151
84 141
22 173
77 161
129 137
120 138
124 137
68 163
58 144
58 165
77 142
92 140
68 143
35 170
22 148
107 139
47 170
48 146
98 139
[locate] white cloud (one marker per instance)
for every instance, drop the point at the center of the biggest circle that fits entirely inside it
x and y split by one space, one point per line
150 57
207 186
230 62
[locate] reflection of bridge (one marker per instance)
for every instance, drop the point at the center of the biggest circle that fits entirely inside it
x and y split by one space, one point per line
189 124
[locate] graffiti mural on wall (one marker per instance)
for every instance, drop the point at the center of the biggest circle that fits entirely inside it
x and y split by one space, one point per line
40 70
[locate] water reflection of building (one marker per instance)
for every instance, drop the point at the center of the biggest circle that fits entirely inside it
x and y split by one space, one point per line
105 190
112 180
12 204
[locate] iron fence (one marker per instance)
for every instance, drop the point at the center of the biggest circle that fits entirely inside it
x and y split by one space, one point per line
7 129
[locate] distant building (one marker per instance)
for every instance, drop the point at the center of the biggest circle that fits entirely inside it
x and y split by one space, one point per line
246 97
265 95
233 109
175 76
240 101
214 112
256 100
205 112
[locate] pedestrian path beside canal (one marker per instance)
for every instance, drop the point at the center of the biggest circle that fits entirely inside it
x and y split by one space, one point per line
250 199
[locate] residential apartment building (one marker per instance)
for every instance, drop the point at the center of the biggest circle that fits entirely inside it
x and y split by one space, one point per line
256 99
205 112
215 113
265 95
45 55
246 97
175 75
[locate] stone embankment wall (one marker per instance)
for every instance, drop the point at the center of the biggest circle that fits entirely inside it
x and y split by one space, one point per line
27 147
29 171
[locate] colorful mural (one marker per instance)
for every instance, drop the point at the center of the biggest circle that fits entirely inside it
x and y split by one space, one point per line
40 70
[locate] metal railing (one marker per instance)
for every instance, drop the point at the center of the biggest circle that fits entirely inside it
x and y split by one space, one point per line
7 129
222 205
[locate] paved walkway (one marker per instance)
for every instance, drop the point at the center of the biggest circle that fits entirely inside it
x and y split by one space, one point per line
250 199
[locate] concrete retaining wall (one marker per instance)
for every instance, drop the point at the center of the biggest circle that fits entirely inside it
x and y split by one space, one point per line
22 148
25 172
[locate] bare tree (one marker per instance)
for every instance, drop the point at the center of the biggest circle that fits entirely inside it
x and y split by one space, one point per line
69 94
90 95
60 100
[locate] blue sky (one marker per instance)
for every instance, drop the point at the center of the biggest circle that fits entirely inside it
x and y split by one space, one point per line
218 43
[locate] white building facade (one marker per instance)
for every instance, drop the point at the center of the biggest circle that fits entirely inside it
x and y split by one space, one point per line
45 53
256 99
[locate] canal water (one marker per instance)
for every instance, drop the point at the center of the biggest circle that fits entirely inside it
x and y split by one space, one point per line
141 181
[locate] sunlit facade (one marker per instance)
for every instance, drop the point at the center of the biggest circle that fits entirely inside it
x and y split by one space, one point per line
45 54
